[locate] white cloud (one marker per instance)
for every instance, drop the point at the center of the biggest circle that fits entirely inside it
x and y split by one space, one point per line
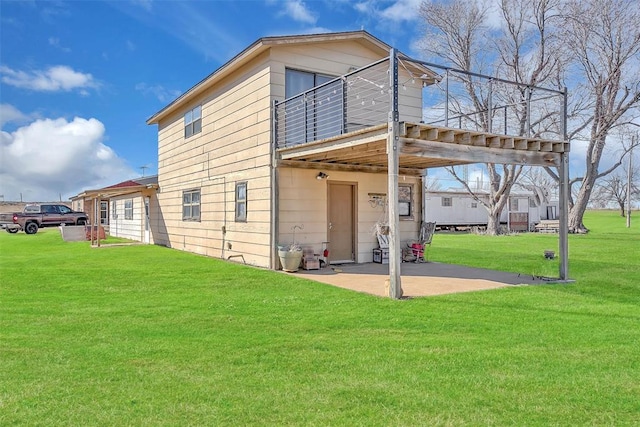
478 178
402 10
398 11
298 11
52 157
53 79
55 42
9 113
159 91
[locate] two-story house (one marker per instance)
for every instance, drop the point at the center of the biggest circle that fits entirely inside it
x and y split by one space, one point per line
317 139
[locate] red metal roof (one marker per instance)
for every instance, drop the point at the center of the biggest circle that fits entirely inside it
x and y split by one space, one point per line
123 184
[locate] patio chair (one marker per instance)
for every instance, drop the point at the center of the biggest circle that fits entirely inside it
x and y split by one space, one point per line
381 255
419 248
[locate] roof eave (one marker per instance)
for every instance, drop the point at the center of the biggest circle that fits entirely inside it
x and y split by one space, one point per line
251 52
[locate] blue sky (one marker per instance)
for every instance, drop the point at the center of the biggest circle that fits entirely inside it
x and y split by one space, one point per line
78 79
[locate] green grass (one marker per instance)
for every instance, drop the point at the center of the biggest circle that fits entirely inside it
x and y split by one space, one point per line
144 335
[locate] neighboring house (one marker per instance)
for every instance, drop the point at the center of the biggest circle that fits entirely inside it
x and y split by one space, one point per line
457 208
127 209
312 139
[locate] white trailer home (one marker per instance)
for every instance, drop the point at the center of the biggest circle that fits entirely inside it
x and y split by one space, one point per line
456 209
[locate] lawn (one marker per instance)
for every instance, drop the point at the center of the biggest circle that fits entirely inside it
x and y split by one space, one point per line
145 335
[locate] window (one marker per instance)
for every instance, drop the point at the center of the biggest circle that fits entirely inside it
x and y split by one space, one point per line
104 212
64 209
317 120
128 209
241 201
474 205
297 81
446 201
114 210
193 122
513 205
532 202
191 205
405 201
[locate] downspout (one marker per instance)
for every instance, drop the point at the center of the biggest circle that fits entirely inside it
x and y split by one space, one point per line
273 223
424 179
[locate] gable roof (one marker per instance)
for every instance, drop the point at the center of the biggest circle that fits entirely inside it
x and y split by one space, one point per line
257 48
122 188
143 181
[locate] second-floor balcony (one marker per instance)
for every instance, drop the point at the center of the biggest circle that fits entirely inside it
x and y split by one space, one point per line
442 111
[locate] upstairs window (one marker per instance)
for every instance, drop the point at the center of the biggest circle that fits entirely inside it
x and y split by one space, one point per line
447 202
241 202
191 205
297 81
193 122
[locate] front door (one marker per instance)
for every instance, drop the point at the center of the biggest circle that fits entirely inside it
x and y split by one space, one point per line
341 222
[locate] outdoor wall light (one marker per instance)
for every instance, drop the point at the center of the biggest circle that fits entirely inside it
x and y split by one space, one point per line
322 175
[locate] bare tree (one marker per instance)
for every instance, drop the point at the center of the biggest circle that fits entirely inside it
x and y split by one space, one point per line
602 37
614 189
432 184
521 50
539 183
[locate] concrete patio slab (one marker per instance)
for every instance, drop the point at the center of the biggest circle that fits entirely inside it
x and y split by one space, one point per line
418 280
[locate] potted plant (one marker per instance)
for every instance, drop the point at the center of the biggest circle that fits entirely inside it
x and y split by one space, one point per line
290 257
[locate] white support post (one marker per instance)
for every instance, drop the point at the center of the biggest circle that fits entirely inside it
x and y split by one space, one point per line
393 163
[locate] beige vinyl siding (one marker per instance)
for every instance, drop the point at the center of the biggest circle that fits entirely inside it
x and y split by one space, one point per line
303 202
234 145
127 228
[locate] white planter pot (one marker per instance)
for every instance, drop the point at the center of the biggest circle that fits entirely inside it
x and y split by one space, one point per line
290 260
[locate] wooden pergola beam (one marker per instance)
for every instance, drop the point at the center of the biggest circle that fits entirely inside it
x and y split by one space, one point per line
476 154
346 167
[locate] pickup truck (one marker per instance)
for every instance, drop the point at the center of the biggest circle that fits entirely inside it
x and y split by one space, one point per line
35 216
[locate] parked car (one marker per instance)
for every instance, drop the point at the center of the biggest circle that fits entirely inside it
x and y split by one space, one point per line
6 222
45 215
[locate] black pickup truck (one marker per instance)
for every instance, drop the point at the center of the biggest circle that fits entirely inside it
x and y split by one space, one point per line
45 215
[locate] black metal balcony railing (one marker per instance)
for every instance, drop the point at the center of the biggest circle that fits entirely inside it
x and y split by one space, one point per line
457 99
